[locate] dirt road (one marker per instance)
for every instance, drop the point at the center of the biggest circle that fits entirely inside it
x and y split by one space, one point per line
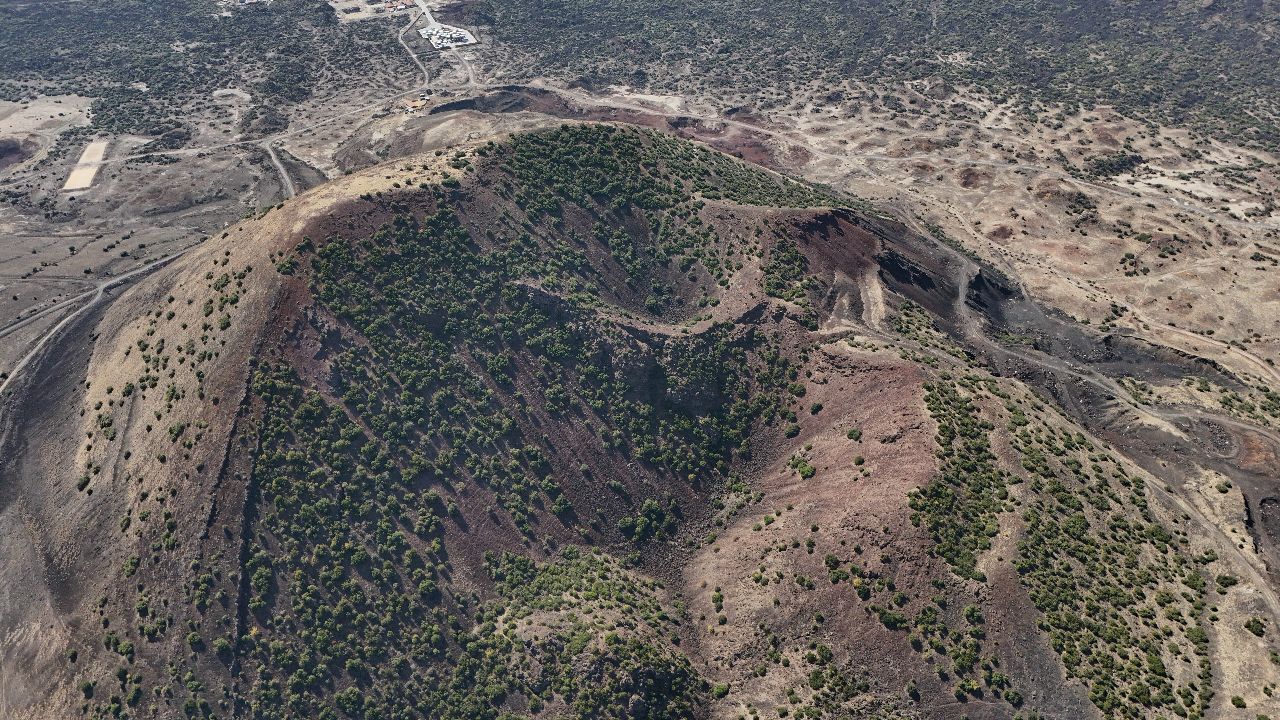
426 76
286 182
94 296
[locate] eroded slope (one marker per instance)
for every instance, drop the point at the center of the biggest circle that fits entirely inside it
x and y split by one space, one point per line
593 422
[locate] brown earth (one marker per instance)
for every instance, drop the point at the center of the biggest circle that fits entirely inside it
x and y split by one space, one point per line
64 545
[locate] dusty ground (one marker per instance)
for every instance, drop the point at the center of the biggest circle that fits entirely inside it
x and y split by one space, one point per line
842 507
1185 243
143 205
1182 251
40 122
1195 217
41 504
86 168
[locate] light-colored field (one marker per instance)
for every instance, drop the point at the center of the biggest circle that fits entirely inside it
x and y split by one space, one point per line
352 10
86 168
38 123
1193 218
46 116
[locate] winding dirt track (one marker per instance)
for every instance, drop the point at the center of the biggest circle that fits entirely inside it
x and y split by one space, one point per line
94 297
286 182
846 160
426 76
470 84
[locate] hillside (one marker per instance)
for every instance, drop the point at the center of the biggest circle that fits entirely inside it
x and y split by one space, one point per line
1203 65
594 422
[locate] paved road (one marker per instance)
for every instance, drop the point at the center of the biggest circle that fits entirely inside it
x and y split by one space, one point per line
426 11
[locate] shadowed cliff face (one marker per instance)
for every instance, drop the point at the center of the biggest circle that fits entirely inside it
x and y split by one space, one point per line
593 422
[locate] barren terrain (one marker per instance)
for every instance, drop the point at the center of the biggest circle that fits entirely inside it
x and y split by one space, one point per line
1011 448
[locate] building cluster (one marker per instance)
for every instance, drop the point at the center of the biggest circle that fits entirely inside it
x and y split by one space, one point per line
391 5
443 37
